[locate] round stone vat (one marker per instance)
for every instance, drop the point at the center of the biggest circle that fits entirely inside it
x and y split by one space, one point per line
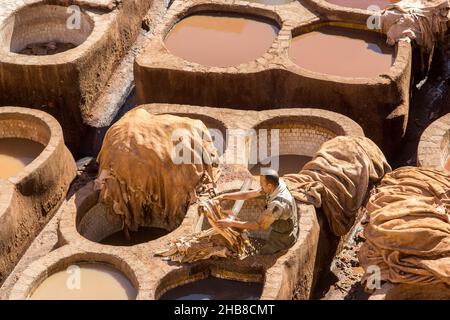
69 274
335 49
97 281
205 281
288 141
364 4
221 39
434 146
44 29
98 224
390 291
16 154
36 170
23 137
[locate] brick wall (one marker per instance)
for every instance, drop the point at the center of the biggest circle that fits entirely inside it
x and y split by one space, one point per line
298 138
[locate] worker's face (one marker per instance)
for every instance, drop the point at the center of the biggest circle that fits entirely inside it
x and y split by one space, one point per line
267 187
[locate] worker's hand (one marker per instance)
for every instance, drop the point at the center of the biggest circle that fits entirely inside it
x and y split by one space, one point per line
228 212
218 198
225 223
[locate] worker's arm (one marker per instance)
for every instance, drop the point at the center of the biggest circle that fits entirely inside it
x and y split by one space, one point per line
264 223
225 223
240 195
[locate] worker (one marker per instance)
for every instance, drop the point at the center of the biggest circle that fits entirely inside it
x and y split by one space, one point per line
280 213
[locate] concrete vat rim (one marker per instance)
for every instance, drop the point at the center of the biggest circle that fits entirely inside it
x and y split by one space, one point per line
202 270
30 198
328 6
239 8
56 260
82 201
55 133
400 52
99 23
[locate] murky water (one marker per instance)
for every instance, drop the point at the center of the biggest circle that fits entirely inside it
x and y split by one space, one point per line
363 4
16 154
219 40
290 163
215 289
342 52
96 282
144 234
47 48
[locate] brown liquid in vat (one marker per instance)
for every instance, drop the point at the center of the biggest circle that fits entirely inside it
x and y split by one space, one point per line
288 163
215 289
219 40
47 48
16 154
97 282
144 234
342 52
363 4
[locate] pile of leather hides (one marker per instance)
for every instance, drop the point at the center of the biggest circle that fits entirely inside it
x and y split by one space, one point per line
424 22
214 242
144 174
408 230
338 179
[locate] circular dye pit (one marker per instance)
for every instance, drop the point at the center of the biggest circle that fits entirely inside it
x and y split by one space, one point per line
221 40
100 225
86 282
342 52
142 235
289 142
363 4
16 154
45 30
213 288
288 163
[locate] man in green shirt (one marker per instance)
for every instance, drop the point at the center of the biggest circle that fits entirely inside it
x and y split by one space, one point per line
280 213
